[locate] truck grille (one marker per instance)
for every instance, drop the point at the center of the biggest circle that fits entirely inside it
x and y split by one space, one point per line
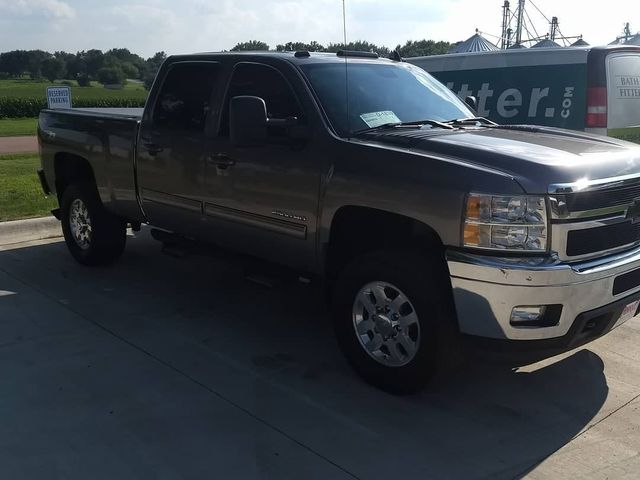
579 202
592 240
597 221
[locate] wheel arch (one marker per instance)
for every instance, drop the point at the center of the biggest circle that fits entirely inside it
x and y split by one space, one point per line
71 168
356 230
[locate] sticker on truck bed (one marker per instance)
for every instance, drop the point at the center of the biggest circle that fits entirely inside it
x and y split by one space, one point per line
375 119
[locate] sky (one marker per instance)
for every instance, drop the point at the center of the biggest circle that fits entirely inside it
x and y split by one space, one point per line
184 26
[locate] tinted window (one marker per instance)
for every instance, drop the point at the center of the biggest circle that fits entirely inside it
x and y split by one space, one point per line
381 93
264 82
185 96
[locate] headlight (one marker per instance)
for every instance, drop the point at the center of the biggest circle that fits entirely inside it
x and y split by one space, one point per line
506 223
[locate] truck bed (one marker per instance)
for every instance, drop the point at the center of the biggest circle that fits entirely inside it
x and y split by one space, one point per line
106 138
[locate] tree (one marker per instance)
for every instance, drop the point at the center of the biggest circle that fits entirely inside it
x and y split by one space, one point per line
151 67
122 54
53 68
35 58
111 76
94 61
251 45
83 80
132 64
77 66
130 70
359 46
14 63
295 46
420 48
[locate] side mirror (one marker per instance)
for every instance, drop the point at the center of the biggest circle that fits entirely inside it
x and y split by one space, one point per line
247 121
472 103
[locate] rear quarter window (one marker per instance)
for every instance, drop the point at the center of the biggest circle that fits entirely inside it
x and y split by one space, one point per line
184 100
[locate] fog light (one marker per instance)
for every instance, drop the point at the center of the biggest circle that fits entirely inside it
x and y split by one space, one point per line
535 315
523 316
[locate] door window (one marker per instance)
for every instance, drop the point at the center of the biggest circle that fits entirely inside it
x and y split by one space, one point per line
264 82
184 100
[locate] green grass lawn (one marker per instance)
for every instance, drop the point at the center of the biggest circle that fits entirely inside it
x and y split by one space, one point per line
34 88
14 127
20 193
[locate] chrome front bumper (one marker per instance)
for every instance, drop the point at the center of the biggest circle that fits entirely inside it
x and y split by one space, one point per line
486 289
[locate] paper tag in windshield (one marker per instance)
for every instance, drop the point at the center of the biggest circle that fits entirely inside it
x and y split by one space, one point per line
375 119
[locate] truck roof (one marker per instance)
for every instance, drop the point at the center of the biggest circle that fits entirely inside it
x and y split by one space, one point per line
297 57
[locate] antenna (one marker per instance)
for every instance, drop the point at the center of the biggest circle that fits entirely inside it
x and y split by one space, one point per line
346 63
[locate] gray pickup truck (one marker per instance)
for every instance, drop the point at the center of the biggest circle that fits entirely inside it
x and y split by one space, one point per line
429 226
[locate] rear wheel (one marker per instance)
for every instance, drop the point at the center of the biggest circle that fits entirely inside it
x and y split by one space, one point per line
93 235
390 319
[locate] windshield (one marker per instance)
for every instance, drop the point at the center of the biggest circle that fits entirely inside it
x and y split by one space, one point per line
379 94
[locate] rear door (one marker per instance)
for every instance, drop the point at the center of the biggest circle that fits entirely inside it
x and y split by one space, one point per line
170 162
623 95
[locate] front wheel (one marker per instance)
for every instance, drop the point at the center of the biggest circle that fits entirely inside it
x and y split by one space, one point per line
389 318
93 235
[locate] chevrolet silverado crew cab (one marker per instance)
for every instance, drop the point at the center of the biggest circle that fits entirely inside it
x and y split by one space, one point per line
429 225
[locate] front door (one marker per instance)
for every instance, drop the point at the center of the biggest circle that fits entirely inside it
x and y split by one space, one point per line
264 199
171 151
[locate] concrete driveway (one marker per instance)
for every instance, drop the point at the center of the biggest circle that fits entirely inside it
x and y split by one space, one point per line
166 368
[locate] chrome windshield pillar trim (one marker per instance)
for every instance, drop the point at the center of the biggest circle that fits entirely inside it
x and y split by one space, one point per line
486 289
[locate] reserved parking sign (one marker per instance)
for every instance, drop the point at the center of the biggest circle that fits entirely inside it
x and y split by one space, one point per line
59 97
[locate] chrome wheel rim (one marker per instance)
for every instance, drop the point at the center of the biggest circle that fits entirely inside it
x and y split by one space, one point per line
386 324
80 224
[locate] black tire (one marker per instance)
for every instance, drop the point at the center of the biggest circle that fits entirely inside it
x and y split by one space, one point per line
422 281
108 234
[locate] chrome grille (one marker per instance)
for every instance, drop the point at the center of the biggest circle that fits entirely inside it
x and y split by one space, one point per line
589 219
599 239
583 201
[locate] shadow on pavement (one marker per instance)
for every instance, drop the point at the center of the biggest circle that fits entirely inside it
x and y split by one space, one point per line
271 352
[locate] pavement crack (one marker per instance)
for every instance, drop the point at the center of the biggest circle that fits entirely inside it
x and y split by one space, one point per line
610 414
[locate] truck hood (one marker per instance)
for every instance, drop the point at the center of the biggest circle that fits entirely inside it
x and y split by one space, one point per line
535 156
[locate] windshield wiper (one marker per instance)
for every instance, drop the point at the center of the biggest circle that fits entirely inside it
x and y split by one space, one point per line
416 123
471 121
